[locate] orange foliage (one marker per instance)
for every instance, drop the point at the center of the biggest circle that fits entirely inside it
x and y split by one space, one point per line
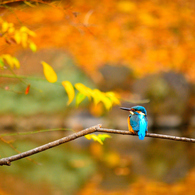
146 36
143 186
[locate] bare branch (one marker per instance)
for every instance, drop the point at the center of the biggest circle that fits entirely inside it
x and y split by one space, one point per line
153 135
96 128
8 160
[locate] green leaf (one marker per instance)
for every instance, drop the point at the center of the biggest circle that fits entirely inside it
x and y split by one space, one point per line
1 64
79 98
99 138
104 136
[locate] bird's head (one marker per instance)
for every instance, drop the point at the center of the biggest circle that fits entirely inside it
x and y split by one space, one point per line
135 110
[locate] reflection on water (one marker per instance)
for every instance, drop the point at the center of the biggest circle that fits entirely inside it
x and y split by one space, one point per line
156 159
120 162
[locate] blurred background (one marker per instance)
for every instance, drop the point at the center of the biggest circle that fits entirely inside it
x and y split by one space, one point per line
142 50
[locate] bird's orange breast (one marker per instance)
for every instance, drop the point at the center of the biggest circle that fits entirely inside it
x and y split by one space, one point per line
129 126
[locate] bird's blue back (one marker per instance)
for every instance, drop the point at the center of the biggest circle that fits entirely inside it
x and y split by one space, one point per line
139 123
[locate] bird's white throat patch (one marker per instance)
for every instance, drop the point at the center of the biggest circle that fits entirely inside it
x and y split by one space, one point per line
131 112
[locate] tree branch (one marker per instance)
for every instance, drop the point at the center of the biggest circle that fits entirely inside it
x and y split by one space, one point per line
153 135
8 160
96 128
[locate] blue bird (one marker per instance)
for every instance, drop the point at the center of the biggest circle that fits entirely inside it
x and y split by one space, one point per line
137 120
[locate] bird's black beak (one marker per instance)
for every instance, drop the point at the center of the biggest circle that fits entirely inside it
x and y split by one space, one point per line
127 109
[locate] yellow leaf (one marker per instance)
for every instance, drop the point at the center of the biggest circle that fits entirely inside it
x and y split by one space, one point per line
100 96
5 26
31 33
49 73
107 102
88 136
16 62
24 29
17 37
24 38
83 89
33 47
96 96
11 61
94 137
69 89
8 59
113 97
11 30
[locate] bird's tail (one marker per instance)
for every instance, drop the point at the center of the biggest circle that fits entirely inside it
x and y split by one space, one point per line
141 135
143 128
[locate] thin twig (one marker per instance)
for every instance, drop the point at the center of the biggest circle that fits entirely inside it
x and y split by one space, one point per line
96 128
153 135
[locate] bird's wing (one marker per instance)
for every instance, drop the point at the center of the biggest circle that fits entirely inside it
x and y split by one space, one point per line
135 121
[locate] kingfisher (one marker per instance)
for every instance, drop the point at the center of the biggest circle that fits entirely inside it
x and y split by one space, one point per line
137 120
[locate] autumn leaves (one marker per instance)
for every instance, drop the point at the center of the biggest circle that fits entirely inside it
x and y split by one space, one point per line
108 99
